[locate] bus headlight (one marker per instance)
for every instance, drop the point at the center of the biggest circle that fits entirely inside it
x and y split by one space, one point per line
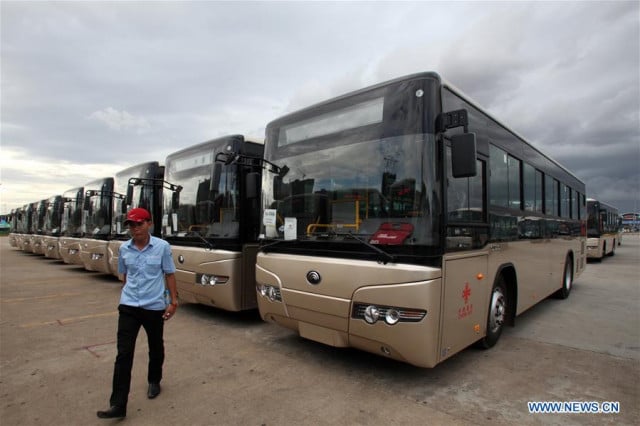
270 292
213 279
392 316
371 314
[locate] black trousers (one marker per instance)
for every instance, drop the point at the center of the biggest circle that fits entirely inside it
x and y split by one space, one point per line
129 322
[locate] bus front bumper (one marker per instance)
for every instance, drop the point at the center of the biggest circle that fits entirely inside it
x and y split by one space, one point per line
414 342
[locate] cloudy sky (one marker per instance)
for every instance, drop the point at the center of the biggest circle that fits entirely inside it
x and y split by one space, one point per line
90 88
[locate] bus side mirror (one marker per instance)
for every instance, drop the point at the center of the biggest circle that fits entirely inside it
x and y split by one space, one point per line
216 173
175 200
87 200
277 188
463 155
128 199
253 185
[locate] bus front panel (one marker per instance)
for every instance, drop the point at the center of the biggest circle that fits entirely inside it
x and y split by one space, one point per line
212 277
390 310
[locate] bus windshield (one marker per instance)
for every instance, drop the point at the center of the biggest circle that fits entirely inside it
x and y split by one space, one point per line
207 204
71 224
38 219
98 214
142 195
359 168
53 215
380 190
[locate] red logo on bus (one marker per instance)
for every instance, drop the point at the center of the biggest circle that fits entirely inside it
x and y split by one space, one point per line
467 309
466 293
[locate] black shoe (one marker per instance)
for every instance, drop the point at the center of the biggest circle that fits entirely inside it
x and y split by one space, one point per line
154 390
115 412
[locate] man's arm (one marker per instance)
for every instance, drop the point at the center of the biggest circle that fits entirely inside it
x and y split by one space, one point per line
173 291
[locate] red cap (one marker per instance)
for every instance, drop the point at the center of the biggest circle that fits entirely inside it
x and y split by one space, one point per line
137 215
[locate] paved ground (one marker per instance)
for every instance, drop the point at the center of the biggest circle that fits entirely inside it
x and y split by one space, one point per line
57 347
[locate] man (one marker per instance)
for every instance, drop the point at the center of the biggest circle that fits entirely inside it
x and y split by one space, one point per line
145 263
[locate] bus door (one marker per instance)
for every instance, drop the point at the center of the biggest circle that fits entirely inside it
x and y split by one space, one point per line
466 287
465 302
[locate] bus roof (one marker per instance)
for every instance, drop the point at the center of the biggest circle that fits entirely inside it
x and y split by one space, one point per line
216 140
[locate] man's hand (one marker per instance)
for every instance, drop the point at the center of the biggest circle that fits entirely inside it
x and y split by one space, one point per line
170 311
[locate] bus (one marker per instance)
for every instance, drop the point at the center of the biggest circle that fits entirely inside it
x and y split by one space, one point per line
52 227
72 226
97 215
135 186
603 229
469 227
16 217
5 223
38 213
31 212
212 220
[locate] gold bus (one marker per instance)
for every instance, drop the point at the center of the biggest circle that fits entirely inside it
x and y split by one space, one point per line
17 227
30 214
212 221
36 244
17 217
142 185
404 220
72 226
96 220
603 229
52 225
21 224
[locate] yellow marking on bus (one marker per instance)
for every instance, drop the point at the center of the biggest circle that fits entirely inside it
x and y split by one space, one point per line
50 296
70 320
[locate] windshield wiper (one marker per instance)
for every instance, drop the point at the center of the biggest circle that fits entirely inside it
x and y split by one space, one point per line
209 244
273 243
384 257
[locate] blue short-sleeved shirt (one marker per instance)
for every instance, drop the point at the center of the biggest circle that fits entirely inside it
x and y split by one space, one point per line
145 269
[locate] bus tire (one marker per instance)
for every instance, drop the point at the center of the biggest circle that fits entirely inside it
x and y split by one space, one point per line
567 280
497 315
613 249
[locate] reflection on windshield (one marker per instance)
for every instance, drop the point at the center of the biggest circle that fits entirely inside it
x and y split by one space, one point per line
71 224
142 196
208 201
98 220
53 215
382 191
39 215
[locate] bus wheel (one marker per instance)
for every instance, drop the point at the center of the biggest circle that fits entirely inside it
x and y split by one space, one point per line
613 250
567 280
497 314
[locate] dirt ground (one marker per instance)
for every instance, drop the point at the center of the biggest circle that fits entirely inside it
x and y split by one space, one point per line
57 348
